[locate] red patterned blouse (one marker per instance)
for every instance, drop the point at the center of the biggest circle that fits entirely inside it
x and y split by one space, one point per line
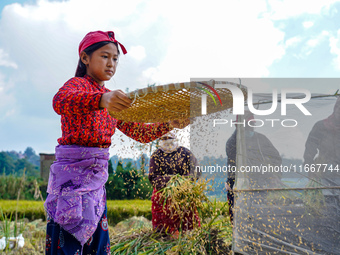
83 123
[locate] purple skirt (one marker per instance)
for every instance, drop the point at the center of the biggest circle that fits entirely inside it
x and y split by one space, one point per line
76 189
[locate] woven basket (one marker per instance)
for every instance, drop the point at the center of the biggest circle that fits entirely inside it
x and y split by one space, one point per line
175 101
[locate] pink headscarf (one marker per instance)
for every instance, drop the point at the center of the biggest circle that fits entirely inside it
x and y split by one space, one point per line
99 36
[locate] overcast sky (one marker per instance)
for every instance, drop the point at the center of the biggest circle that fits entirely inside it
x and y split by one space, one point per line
167 41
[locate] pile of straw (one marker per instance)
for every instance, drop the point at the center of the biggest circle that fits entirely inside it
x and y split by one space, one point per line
212 237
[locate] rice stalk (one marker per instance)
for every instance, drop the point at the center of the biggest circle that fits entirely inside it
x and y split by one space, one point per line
182 195
21 186
6 227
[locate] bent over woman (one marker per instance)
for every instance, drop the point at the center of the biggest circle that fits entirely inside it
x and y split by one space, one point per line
168 160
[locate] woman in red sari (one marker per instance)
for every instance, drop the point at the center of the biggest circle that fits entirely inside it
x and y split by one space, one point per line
168 160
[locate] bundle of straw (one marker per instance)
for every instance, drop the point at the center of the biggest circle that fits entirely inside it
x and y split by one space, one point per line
182 195
201 241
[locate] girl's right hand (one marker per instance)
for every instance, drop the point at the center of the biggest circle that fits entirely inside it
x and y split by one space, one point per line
115 101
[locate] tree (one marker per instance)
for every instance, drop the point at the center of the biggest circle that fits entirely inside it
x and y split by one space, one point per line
6 163
31 156
127 183
110 167
29 152
12 165
22 164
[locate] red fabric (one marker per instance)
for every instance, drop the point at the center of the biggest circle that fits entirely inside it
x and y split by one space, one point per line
165 220
83 123
98 36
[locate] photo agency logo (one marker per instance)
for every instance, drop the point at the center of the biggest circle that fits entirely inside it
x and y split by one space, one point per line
204 97
239 105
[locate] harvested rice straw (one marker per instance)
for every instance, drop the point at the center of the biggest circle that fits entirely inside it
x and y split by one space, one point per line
182 194
205 240
212 237
140 241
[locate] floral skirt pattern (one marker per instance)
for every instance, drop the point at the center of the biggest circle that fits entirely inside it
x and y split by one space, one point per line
60 242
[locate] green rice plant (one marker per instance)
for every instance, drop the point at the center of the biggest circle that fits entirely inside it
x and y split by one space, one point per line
6 224
212 208
118 210
9 186
6 227
22 225
21 186
31 210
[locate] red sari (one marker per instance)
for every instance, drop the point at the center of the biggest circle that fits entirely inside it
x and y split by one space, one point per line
165 219
162 166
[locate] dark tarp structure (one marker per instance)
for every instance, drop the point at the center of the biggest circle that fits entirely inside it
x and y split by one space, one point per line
287 175
290 205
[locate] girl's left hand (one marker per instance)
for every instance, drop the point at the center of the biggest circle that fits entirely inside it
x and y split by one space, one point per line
179 123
